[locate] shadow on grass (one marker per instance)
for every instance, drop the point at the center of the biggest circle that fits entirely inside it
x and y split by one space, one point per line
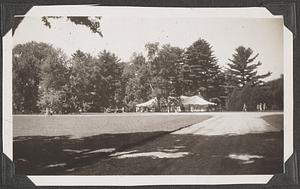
53 155
155 153
275 120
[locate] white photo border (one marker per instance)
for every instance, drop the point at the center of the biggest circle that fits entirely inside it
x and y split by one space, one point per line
87 10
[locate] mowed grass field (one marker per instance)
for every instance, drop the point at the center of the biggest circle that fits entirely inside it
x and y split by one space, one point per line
88 144
78 126
51 144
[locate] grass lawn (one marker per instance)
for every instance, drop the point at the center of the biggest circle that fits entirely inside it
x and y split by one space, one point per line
78 126
202 155
52 144
274 120
75 144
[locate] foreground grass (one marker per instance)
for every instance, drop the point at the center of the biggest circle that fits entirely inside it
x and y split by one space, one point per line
203 155
274 120
57 144
85 145
192 154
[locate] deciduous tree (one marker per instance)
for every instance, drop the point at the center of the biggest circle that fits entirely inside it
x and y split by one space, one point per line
54 78
27 61
136 78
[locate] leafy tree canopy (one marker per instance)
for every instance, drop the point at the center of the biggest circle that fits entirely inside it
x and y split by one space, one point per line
93 23
33 64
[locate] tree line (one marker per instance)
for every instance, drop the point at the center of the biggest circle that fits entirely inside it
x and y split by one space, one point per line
44 77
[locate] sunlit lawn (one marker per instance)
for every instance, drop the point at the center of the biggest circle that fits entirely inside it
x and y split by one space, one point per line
75 144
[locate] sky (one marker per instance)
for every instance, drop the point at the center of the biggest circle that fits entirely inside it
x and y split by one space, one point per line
126 35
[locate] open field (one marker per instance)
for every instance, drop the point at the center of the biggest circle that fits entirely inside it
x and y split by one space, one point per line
112 144
40 141
78 126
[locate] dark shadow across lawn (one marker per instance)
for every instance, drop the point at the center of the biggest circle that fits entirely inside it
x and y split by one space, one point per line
210 155
274 120
34 155
204 155
57 144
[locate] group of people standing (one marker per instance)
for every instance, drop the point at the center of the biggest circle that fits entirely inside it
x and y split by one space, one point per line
261 107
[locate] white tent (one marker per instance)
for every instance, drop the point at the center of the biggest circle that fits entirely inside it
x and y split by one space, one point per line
149 103
186 100
183 97
195 100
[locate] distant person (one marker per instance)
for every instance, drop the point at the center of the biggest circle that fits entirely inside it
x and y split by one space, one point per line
257 107
47 111
260 107
178 109
264 107
245 108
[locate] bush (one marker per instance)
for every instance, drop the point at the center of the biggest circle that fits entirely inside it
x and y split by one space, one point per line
271 93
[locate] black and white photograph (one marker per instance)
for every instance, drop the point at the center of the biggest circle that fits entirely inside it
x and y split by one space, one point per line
147 95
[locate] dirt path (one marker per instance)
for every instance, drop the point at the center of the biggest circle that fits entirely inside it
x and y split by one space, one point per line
230 124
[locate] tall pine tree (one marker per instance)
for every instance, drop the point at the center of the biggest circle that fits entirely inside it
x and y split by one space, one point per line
112 75
80 85
201 71
243 70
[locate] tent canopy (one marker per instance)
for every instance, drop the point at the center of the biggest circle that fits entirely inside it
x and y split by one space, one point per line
186 100
149 103
195 100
